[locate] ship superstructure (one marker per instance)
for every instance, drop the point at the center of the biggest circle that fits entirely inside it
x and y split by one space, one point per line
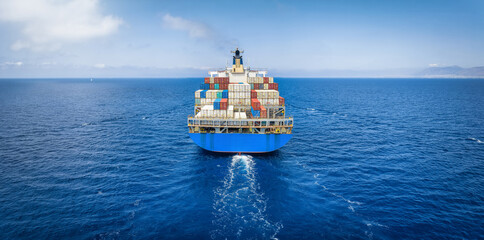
239 110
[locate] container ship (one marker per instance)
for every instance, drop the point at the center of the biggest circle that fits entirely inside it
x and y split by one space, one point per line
239 110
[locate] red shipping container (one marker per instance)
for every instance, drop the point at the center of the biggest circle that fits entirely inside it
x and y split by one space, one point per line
253 94
207 80
275 86
271 85
226 80
266 80
256 86
212 86
223 104
281 101
255 104
216 80
263 112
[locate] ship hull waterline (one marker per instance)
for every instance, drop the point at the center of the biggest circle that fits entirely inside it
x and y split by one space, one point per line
240 142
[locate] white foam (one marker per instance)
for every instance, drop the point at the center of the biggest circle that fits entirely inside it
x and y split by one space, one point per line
476 140
239 206
351 208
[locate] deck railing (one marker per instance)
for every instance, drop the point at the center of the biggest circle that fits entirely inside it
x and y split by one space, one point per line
240 123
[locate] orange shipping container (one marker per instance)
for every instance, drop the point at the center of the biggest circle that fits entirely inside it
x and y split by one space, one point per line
253 94
263 112
255 104
281 101
223 104
207 80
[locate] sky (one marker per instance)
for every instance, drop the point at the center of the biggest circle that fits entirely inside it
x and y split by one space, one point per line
324 38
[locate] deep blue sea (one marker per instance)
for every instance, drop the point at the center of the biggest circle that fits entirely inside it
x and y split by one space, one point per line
369 159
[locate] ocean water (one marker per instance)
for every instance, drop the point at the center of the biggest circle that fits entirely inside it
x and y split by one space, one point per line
369 159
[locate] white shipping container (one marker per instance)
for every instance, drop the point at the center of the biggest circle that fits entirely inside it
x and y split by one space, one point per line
230 111
208 94
242 115
197 93
236 115
246 87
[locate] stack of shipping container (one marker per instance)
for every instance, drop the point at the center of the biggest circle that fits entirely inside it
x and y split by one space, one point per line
218 98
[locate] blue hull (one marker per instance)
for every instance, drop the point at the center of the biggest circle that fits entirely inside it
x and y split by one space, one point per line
240 142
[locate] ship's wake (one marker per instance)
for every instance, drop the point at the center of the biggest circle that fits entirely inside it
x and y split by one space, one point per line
352 205
239 206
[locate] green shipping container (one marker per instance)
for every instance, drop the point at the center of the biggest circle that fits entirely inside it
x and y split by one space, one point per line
251 86
216 85
219 94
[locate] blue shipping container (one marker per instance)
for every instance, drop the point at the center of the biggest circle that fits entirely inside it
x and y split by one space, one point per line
203 94
225 94
216 104
255 113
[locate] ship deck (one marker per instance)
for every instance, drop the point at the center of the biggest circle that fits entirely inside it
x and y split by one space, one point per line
254 125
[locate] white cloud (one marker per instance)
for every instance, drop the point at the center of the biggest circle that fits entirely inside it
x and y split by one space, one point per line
100 65
194 29
18 64
47 24
433 65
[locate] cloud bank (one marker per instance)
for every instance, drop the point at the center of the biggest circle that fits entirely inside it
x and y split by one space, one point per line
194 29
47 24
199 30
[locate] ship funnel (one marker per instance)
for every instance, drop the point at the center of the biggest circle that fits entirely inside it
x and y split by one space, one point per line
237 66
